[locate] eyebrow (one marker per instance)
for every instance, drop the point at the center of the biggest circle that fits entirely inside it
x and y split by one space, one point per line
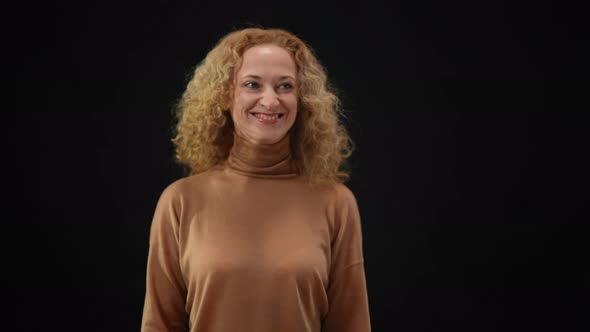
259 78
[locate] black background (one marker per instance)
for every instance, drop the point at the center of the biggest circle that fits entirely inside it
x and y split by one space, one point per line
470 165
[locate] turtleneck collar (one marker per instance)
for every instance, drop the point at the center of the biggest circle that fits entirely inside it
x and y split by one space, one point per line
261 160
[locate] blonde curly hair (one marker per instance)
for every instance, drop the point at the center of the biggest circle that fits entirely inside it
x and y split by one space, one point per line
203 135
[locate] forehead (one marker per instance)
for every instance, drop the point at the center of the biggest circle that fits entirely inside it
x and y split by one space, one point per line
267 59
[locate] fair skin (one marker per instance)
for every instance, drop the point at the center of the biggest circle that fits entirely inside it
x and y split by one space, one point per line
264 105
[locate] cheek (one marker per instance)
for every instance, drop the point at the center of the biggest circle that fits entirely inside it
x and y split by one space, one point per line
243 103
233 115
292 104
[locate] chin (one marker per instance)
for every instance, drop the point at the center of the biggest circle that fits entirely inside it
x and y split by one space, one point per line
269 139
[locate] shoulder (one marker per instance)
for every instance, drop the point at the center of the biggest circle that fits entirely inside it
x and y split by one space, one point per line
340 194
184 196
189 186
339 200
344 193
342 211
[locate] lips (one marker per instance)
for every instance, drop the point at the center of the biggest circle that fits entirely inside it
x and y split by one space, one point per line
268 116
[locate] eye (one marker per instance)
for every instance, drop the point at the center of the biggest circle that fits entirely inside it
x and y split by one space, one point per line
285 86
251 85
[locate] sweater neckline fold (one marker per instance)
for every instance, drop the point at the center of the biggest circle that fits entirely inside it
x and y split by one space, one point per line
262 160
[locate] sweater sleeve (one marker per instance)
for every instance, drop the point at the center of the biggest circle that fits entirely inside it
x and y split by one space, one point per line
164 306
347 290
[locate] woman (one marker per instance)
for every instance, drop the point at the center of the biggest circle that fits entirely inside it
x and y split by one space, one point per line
262 236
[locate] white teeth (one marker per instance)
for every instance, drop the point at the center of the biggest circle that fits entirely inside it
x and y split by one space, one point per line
266 117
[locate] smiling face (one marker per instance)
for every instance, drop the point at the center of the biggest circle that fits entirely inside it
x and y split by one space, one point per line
264 105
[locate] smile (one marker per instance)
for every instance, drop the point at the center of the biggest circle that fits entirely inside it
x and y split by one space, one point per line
268 118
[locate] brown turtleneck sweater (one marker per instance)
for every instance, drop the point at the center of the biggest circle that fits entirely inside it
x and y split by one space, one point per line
249 246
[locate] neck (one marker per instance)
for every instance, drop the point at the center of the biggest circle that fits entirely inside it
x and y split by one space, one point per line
261 160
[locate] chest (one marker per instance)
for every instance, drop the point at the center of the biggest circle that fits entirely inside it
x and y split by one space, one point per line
258 236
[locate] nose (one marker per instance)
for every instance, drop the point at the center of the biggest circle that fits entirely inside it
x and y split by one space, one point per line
269 99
